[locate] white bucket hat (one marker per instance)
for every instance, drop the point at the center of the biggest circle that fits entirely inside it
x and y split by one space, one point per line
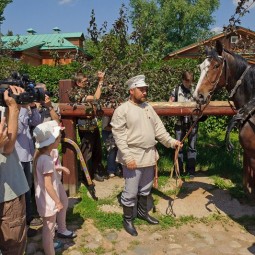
46 133
136 82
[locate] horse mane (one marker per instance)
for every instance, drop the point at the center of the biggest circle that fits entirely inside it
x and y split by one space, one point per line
240 63
248 80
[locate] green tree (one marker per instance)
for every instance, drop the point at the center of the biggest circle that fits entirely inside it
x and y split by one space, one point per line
242 9
167 25
3 4
6 64
122 56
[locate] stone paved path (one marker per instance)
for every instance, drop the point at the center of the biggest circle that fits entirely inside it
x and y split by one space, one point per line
200 198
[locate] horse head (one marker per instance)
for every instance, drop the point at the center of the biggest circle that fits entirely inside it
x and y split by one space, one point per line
211 74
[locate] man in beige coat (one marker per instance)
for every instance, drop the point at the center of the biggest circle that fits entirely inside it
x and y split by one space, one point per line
136 128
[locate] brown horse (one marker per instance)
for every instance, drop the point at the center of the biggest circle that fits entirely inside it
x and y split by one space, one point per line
223 68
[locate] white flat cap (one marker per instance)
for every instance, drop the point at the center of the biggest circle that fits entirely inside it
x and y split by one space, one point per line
135 82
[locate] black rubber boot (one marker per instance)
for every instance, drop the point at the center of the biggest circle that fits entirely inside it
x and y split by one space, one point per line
191 165
128 220
142 211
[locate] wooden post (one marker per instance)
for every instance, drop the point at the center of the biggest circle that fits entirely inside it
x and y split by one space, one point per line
69 156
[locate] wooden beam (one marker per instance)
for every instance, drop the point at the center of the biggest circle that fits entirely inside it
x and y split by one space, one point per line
162 109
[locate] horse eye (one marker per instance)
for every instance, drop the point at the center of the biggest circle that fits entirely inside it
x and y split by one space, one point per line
216 66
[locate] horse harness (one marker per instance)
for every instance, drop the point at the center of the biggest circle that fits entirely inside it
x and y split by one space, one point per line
243 114
247 110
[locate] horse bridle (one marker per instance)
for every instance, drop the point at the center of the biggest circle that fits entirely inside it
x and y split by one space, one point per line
214 84
237 85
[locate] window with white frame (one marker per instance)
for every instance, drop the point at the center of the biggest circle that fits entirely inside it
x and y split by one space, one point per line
234 39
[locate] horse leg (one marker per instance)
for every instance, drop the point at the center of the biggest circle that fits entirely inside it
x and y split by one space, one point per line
249 175
247 140
247 137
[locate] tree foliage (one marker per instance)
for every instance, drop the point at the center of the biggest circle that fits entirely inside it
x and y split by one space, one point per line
3 4
242 9
121 58
50 75
7 64
167 25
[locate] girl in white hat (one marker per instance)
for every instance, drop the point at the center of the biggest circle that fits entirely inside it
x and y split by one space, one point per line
49 192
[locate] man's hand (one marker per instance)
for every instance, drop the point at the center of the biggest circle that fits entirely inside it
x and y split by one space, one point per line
100 75
47 101
10 101
131 165
3 132
178 144
12 118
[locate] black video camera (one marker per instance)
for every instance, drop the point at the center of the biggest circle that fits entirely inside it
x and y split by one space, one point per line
49 93
30 95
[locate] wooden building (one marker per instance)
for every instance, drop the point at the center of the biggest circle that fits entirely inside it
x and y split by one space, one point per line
50 49
240 41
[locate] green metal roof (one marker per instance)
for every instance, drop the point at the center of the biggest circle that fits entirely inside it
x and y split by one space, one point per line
55 41
74 34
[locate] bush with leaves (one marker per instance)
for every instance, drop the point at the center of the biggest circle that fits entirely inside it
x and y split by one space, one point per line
50 75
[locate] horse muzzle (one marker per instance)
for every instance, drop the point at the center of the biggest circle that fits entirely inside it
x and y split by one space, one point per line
201 99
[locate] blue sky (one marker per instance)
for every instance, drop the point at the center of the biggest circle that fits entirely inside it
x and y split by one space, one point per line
74 15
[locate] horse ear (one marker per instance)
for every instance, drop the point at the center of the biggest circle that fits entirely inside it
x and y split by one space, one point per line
219 47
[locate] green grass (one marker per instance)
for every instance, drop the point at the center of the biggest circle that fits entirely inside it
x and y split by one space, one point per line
225 168
213 160
98 250
88 208
222 183
213 156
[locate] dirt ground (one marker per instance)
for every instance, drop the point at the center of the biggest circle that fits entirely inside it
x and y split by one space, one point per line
200 198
